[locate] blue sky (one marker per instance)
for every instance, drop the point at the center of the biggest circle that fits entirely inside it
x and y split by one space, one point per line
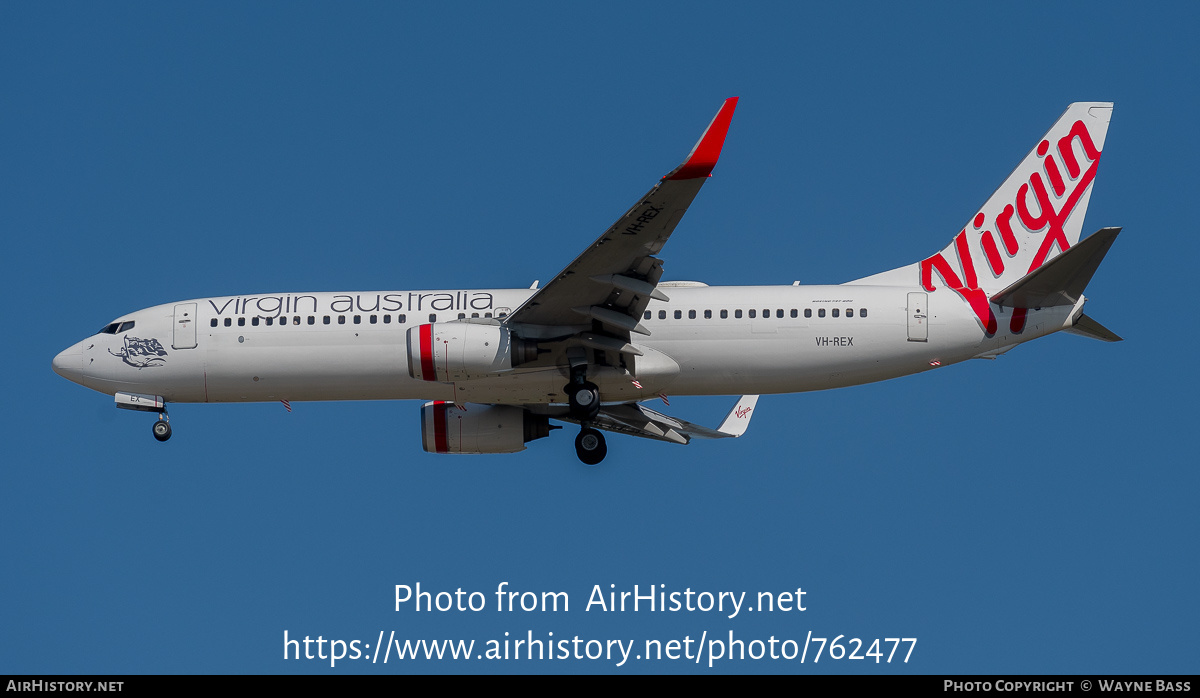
1035 514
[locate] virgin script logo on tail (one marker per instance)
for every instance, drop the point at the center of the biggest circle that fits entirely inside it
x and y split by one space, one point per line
1036 215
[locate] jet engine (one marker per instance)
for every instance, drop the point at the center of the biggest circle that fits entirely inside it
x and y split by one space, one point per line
446 428
450 351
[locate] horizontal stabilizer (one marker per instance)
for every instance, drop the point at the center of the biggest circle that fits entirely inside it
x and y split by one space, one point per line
1061 280
1086 327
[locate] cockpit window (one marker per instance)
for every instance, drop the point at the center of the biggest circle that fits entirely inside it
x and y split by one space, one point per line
116 327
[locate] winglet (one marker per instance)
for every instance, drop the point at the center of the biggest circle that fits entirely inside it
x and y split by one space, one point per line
738 419
703 158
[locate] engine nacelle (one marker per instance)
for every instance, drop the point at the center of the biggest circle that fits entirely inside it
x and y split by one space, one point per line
446 428
451 351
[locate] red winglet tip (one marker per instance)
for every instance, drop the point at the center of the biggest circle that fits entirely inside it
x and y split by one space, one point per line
704 156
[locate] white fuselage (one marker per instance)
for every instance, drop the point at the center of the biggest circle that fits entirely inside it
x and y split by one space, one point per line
704 341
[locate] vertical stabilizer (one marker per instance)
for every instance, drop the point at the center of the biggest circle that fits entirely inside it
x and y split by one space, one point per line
1034 216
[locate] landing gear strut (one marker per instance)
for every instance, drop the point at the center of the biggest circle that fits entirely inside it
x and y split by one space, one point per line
583 399
590 446
162 428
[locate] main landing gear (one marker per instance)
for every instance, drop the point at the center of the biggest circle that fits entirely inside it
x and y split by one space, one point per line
583 399
590 446
162 428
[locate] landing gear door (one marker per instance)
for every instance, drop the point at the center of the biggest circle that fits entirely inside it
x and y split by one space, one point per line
918 317
184 335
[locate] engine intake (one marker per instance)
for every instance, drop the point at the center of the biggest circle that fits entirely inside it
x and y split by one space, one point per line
446 428
450 351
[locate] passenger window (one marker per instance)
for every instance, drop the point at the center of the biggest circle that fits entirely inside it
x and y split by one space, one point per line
662 315
737 313
312 319
794 313
691 314
212 323
473 315
646 315
724 314
229 322
753 312
462 316
862 312
325 319
270 321
835 312
374 319
808 312
779 313
341 319
387 319
678 314
254 321
489 314
241 322
849 312
295 319
766 313
707 314
358 319
820 312
433 317
402 318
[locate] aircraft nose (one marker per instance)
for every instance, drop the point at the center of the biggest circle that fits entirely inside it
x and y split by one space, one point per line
69 364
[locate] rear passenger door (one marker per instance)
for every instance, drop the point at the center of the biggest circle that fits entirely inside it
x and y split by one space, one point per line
918 317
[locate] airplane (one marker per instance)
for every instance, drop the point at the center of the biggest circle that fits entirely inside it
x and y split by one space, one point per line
607 335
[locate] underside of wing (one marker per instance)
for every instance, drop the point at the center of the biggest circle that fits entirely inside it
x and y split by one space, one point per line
635 419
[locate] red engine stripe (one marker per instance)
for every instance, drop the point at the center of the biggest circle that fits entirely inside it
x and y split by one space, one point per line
427 354
439 427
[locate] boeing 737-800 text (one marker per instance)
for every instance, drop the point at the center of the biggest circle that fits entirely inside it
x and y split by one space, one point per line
605 335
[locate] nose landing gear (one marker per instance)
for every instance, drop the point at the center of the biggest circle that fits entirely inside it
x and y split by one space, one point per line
148 403
162 428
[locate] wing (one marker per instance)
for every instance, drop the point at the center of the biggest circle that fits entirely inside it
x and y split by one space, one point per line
597 300
638 420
